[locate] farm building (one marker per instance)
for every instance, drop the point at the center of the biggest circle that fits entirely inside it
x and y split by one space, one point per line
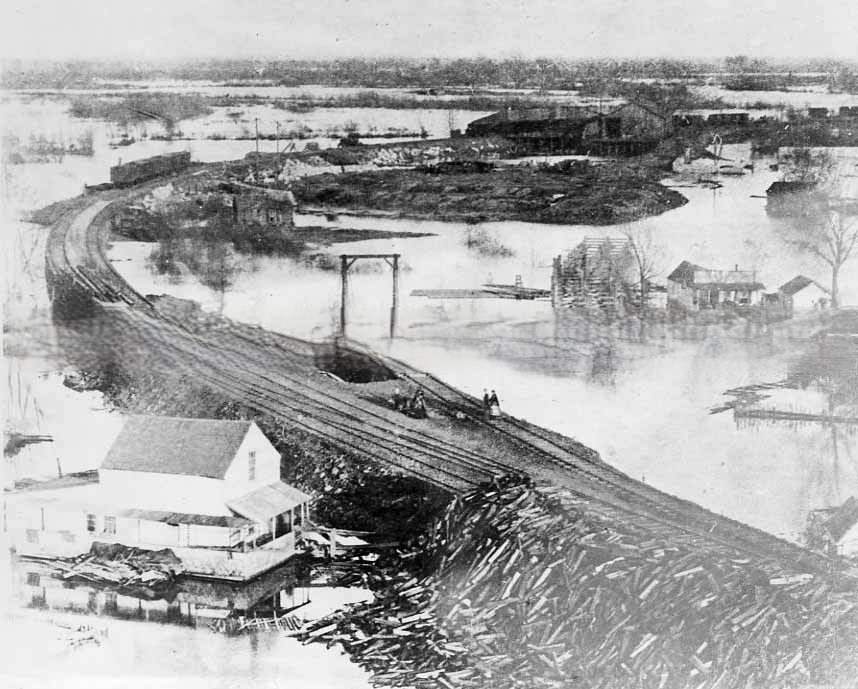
695 288
258 206
803 294
598 273
556 129
209 490
630 129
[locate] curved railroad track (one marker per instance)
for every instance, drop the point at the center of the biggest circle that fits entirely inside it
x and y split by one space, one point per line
269 373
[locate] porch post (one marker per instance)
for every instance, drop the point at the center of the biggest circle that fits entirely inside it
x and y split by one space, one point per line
274 528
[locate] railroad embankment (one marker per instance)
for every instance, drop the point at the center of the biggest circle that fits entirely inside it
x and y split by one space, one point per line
593 195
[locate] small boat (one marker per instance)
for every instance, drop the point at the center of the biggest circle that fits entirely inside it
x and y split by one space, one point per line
733 170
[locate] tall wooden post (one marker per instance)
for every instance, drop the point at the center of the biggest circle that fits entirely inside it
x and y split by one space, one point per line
394 308
344 296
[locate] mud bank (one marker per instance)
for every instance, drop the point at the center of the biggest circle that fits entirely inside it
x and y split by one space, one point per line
601 196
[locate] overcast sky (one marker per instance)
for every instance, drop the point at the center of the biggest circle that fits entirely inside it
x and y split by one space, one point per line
153 29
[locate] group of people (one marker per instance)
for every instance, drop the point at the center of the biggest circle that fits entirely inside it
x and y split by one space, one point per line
491 404
413 405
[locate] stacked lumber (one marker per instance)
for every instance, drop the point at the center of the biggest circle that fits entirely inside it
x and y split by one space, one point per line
527 591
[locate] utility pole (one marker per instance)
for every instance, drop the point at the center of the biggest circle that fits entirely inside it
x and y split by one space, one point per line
256 124
277 138
346 262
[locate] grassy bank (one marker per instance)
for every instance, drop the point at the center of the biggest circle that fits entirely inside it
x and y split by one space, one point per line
593 196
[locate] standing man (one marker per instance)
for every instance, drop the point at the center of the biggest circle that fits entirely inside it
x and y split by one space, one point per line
486 404
494 404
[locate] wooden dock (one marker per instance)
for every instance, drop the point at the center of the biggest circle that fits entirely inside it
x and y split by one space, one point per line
490 291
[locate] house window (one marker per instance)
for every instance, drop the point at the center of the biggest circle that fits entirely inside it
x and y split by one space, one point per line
110 525
251 466
90 523
33 579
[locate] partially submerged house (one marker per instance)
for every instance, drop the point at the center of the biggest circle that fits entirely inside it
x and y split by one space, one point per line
695 288
209 490
598 273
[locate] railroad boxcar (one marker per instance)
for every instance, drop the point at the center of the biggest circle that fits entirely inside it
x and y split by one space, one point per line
145 169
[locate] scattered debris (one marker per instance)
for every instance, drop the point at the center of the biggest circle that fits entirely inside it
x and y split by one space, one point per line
147 572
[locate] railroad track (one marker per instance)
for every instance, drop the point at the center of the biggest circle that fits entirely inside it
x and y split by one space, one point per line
263 372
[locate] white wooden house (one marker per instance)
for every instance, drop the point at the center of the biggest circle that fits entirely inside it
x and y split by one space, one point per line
210 490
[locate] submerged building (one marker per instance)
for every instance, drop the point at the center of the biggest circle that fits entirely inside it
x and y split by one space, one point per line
209 490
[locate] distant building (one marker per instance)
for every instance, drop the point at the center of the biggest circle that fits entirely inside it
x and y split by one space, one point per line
817 113
695 288
803 294
598 273
630 129
209 490
257 206
552 129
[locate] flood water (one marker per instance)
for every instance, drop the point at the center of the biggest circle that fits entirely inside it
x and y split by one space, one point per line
643 403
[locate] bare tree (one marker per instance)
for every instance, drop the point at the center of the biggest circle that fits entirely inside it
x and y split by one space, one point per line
647 257
828 232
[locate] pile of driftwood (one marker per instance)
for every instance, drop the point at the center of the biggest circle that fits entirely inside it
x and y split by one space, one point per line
527 591
122 567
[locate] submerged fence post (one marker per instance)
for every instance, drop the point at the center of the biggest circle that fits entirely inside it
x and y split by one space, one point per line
395 305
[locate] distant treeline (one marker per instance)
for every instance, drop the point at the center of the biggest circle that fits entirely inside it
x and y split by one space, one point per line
539 73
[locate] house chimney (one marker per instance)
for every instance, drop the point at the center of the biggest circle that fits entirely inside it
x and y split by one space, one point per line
736 268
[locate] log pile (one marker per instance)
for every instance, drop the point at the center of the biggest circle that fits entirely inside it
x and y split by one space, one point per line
526 591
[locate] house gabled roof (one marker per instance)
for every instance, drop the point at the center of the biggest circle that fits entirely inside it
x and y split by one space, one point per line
170 445
684 272
797 284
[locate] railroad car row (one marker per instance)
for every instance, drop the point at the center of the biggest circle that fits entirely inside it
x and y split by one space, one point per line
144 169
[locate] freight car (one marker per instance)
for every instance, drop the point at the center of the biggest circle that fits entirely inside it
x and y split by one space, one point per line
148 168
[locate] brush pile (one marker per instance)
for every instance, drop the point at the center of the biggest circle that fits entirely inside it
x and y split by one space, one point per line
527 591
150 572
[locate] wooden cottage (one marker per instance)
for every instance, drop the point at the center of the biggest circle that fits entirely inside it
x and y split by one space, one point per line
695 288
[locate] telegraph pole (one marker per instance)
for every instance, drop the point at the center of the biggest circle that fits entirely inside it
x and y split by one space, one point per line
256 124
